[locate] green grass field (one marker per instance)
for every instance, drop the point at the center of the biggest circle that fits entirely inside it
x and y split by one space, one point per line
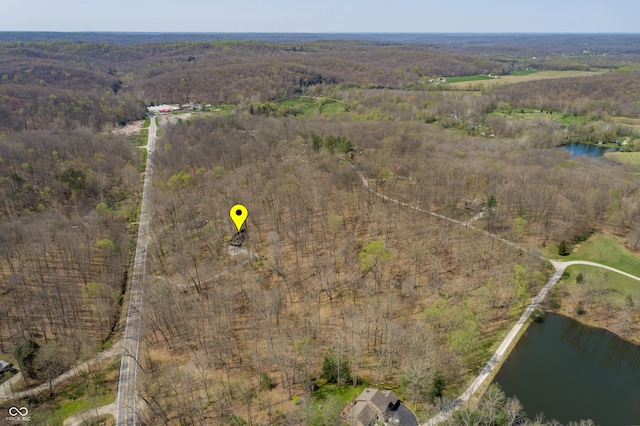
530 114
608 251
333 107
57 413
603 292
477 77
345 393
304 105
221 108
309 105
328 401
524 72
530 75
142 165
140 138
568 119
620 285
76 396
70 408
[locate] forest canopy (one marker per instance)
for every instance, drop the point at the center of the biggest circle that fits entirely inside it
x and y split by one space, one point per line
382 178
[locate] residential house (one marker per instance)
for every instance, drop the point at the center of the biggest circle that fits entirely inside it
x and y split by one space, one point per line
371 406
362 415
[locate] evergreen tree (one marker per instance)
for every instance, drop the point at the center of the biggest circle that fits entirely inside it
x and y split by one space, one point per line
562 249
335 370
25 354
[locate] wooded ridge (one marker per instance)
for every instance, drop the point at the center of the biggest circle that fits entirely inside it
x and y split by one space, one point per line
344 288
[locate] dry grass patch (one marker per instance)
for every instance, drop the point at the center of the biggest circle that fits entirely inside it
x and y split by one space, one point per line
542 75
624 157
130 128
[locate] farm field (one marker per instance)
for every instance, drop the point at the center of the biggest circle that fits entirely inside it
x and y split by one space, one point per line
530 113
624 157
519 78
629 121
477 77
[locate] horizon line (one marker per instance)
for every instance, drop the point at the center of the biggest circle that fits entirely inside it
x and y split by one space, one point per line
324 32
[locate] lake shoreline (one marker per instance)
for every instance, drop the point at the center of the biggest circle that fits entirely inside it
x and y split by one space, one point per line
588 321
589 149
561 356
580 319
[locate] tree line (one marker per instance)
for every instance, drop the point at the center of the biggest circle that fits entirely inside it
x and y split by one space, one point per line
69 84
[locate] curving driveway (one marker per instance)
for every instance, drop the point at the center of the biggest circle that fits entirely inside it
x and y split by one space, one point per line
499 354
405 416
559 264
6 389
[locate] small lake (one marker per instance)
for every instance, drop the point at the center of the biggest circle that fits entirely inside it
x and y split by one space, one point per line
569 372
593 151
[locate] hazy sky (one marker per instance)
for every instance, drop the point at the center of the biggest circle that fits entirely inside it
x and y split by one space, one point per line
321 16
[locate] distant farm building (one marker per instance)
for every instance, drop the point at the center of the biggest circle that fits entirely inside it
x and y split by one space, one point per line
163 109
192 106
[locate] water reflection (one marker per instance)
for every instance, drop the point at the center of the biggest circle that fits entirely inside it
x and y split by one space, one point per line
601 346
570 371
593 151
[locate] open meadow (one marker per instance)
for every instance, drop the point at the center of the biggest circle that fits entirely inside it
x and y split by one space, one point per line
462 83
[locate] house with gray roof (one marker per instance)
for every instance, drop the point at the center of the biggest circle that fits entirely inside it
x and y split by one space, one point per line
372 406
361 414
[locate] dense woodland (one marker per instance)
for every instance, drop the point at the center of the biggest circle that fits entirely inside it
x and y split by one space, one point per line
338 287
67 201
341 273
78 84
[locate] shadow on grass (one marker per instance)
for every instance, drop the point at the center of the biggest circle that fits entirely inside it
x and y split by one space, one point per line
345 392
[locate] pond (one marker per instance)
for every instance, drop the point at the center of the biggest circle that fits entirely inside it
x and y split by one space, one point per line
570 371
593 151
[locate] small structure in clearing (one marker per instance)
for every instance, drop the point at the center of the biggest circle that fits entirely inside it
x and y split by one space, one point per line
5 366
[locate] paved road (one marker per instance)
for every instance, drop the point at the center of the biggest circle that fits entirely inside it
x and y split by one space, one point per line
127 408
499 354
126 402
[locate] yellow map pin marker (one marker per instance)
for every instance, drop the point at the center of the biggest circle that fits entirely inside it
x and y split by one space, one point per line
238 214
